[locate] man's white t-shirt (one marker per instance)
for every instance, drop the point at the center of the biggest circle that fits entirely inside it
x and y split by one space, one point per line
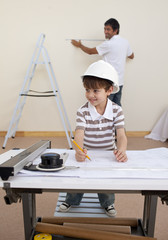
115 51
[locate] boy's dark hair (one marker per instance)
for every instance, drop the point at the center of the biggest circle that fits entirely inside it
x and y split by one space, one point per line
114 24
91 82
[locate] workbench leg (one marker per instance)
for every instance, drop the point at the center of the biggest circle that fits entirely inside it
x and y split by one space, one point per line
149 215
29 214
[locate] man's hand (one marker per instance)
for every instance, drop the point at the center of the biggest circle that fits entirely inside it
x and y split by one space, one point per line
121 156
85 49
76 43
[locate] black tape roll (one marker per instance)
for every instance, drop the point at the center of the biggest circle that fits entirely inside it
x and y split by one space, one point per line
50 160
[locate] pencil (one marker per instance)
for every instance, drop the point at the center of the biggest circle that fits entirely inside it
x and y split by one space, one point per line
80 148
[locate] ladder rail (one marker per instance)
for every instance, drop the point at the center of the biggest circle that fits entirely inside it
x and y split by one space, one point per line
26 87
57 101
17 118
58 91
36 55
29 83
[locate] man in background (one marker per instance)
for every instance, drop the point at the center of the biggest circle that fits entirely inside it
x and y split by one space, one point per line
115 50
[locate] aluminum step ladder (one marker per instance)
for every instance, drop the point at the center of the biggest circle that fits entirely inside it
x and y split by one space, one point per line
40 50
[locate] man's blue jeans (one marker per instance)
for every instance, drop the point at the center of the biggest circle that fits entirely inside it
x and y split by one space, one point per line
116 98
106 199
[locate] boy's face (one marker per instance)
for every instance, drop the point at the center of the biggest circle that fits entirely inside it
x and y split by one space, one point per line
98 97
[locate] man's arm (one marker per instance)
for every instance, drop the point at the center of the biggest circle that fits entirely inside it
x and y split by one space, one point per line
85 49
131 56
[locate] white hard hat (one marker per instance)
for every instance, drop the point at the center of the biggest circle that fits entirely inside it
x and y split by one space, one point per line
102 69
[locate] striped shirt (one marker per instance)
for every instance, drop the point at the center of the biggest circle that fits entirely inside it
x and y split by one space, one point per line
99 130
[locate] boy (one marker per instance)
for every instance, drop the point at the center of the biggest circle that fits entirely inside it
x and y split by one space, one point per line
96 124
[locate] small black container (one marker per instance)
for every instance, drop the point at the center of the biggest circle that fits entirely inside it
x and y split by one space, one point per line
50 161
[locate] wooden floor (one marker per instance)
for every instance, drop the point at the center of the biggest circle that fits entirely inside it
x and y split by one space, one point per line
127 205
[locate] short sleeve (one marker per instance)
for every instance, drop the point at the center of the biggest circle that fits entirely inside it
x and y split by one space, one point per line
80 120
119 118
103 48
129 50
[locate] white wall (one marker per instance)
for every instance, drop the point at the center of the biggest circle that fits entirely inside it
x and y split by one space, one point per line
144 23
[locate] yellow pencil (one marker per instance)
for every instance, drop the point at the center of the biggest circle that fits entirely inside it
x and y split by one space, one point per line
80 148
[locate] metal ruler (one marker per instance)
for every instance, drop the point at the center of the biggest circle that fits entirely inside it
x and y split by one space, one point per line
13 165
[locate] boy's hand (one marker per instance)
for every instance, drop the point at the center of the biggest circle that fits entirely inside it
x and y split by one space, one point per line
81 156
121 156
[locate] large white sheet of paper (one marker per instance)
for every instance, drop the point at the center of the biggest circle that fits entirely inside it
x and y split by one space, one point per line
160 130
146 164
